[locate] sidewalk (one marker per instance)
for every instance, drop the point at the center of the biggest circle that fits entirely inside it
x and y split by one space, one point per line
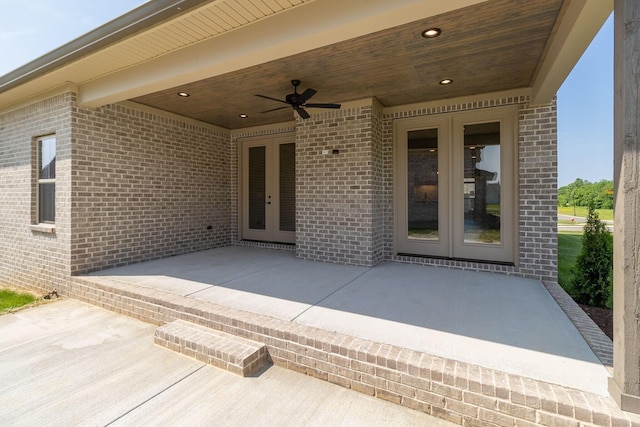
69 363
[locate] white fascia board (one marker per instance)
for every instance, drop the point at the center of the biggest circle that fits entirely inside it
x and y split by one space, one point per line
578 24
313 25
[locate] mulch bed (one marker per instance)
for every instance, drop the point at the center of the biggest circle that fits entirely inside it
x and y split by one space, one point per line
603 317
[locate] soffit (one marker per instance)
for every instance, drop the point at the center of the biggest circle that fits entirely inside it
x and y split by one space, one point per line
184 29
493 46
211 20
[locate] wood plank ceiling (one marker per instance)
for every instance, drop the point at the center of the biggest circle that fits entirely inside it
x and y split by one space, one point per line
491 47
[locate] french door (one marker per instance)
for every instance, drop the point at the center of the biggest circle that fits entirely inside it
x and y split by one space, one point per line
269 189
455 185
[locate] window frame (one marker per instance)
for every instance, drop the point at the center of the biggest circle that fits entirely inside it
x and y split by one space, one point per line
44 181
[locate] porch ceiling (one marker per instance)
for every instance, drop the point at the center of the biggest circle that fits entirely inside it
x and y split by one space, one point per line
492 46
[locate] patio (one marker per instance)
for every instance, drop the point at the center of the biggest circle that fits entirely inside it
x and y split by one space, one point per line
494 321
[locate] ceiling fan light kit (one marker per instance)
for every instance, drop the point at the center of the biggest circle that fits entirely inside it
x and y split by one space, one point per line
298 101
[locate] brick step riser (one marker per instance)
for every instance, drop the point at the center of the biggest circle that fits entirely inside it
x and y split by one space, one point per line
237 355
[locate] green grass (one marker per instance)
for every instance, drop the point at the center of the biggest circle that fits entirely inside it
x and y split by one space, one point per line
581 211
569 246
10 299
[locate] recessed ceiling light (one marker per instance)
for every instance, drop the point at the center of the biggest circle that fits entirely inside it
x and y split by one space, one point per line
431 33
183 94
243 116
446 81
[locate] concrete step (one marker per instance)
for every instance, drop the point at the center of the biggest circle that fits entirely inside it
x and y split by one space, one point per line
235 354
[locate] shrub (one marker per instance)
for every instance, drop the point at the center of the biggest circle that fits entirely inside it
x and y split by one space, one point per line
592 273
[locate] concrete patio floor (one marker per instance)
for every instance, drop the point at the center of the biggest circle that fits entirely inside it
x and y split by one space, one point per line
494 321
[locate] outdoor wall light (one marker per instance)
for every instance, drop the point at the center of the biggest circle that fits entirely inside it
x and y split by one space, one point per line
183 94
445 82
431 33
242 116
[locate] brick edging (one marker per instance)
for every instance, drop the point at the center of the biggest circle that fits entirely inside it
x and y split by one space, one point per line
599 342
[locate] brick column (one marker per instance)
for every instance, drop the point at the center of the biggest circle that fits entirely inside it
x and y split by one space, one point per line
625 384
337 157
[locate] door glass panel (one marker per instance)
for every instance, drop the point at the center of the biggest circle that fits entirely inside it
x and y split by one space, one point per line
422 185
482 183
287 187
257 188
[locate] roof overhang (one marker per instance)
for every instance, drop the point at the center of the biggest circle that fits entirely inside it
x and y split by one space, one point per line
316 24
578 24
168 43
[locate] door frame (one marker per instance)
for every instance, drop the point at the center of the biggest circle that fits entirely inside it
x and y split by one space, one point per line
271 232
450 186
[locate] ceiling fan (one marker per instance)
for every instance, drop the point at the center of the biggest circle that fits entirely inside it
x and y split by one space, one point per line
299 100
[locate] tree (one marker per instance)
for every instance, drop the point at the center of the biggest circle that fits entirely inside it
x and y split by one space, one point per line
591 282
581 192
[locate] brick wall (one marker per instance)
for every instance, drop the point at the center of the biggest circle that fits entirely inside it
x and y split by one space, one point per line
382 172
146 186
539 192
30 258
335 192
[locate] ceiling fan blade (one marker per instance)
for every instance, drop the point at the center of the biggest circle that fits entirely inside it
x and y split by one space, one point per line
273 99
302 112
273 109
308 93
322 105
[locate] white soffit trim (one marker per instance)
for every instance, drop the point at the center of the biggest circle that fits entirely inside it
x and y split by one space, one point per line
50 93
306 27
578 24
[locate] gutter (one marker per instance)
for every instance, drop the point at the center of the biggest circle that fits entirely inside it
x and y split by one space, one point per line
148 15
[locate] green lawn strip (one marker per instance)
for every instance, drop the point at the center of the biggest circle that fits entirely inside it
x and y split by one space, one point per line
10 300
569 246
581 211
567 222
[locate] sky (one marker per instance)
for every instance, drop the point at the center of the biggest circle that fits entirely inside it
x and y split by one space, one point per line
32 28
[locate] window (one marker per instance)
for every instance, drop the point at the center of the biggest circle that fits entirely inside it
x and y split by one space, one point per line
47 179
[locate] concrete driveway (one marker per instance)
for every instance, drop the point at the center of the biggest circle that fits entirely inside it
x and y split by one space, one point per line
69 363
